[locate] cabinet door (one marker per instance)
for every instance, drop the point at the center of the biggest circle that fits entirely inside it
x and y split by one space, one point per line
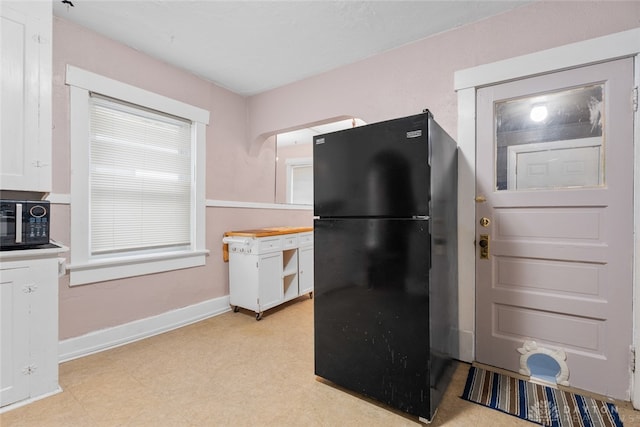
14 335
305 262
25 96
43 329
243 280
270 280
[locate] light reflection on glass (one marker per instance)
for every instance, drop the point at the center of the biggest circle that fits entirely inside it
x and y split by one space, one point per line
551 140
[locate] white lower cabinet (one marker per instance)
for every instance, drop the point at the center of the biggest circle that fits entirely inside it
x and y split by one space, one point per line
14 333
28 329
267 271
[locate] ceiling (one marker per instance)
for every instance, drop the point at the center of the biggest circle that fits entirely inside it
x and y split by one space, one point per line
250 47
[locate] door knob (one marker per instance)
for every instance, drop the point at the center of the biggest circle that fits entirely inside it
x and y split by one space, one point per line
484 246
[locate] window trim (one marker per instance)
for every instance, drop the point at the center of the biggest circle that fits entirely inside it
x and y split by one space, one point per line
84 268
291 164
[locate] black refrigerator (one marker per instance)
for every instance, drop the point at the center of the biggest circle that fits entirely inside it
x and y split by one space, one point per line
385 252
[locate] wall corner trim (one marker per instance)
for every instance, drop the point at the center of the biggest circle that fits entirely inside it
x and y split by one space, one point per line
105 339
604 48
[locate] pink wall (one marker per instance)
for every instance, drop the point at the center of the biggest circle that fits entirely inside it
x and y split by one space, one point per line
394 84
88 308
420 75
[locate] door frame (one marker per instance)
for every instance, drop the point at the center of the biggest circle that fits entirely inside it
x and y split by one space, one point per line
466 84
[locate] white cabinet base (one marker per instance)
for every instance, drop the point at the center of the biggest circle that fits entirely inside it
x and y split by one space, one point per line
28 326
30 400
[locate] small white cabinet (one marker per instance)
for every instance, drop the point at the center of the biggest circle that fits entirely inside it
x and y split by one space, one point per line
25 95
268 267
28 324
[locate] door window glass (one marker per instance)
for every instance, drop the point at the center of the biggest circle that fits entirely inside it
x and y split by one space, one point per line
551 140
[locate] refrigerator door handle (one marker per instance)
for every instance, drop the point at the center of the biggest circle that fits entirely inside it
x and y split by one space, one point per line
421 217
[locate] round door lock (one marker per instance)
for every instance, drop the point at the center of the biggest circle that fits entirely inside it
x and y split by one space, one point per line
484 221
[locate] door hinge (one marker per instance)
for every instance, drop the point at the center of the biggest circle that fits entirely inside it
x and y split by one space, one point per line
30 369
40 39
632 359
28 289
634 98
40 164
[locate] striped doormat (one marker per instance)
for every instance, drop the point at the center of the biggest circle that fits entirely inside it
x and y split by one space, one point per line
537 403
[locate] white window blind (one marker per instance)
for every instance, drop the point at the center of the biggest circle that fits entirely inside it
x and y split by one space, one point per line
302 184
140 178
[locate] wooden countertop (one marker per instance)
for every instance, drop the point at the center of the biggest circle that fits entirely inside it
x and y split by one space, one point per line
268 231
261 232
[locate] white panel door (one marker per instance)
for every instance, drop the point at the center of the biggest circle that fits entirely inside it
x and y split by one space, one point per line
555 166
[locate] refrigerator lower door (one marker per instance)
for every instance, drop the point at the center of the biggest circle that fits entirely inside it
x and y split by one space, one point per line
372 327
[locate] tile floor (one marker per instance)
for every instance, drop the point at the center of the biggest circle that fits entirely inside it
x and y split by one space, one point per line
224 371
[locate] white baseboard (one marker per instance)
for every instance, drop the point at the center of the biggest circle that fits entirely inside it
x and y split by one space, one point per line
104 339
25 402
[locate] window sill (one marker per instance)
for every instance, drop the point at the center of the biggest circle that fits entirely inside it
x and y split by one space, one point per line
130 266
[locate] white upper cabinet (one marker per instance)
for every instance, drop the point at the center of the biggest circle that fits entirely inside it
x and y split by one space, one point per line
25 95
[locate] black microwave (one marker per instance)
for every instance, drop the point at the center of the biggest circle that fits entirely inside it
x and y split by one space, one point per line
23 224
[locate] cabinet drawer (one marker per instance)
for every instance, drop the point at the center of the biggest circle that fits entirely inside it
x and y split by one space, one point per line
305 239
269 244
289 241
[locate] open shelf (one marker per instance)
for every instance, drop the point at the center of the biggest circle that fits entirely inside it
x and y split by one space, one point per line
290 273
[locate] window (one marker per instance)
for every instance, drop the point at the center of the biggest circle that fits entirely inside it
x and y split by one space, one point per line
137 185
300 181
551 140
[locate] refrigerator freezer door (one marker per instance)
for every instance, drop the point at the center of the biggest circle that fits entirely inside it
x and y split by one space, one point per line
378 170
372 309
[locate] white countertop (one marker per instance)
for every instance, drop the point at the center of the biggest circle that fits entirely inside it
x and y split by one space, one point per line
22 254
